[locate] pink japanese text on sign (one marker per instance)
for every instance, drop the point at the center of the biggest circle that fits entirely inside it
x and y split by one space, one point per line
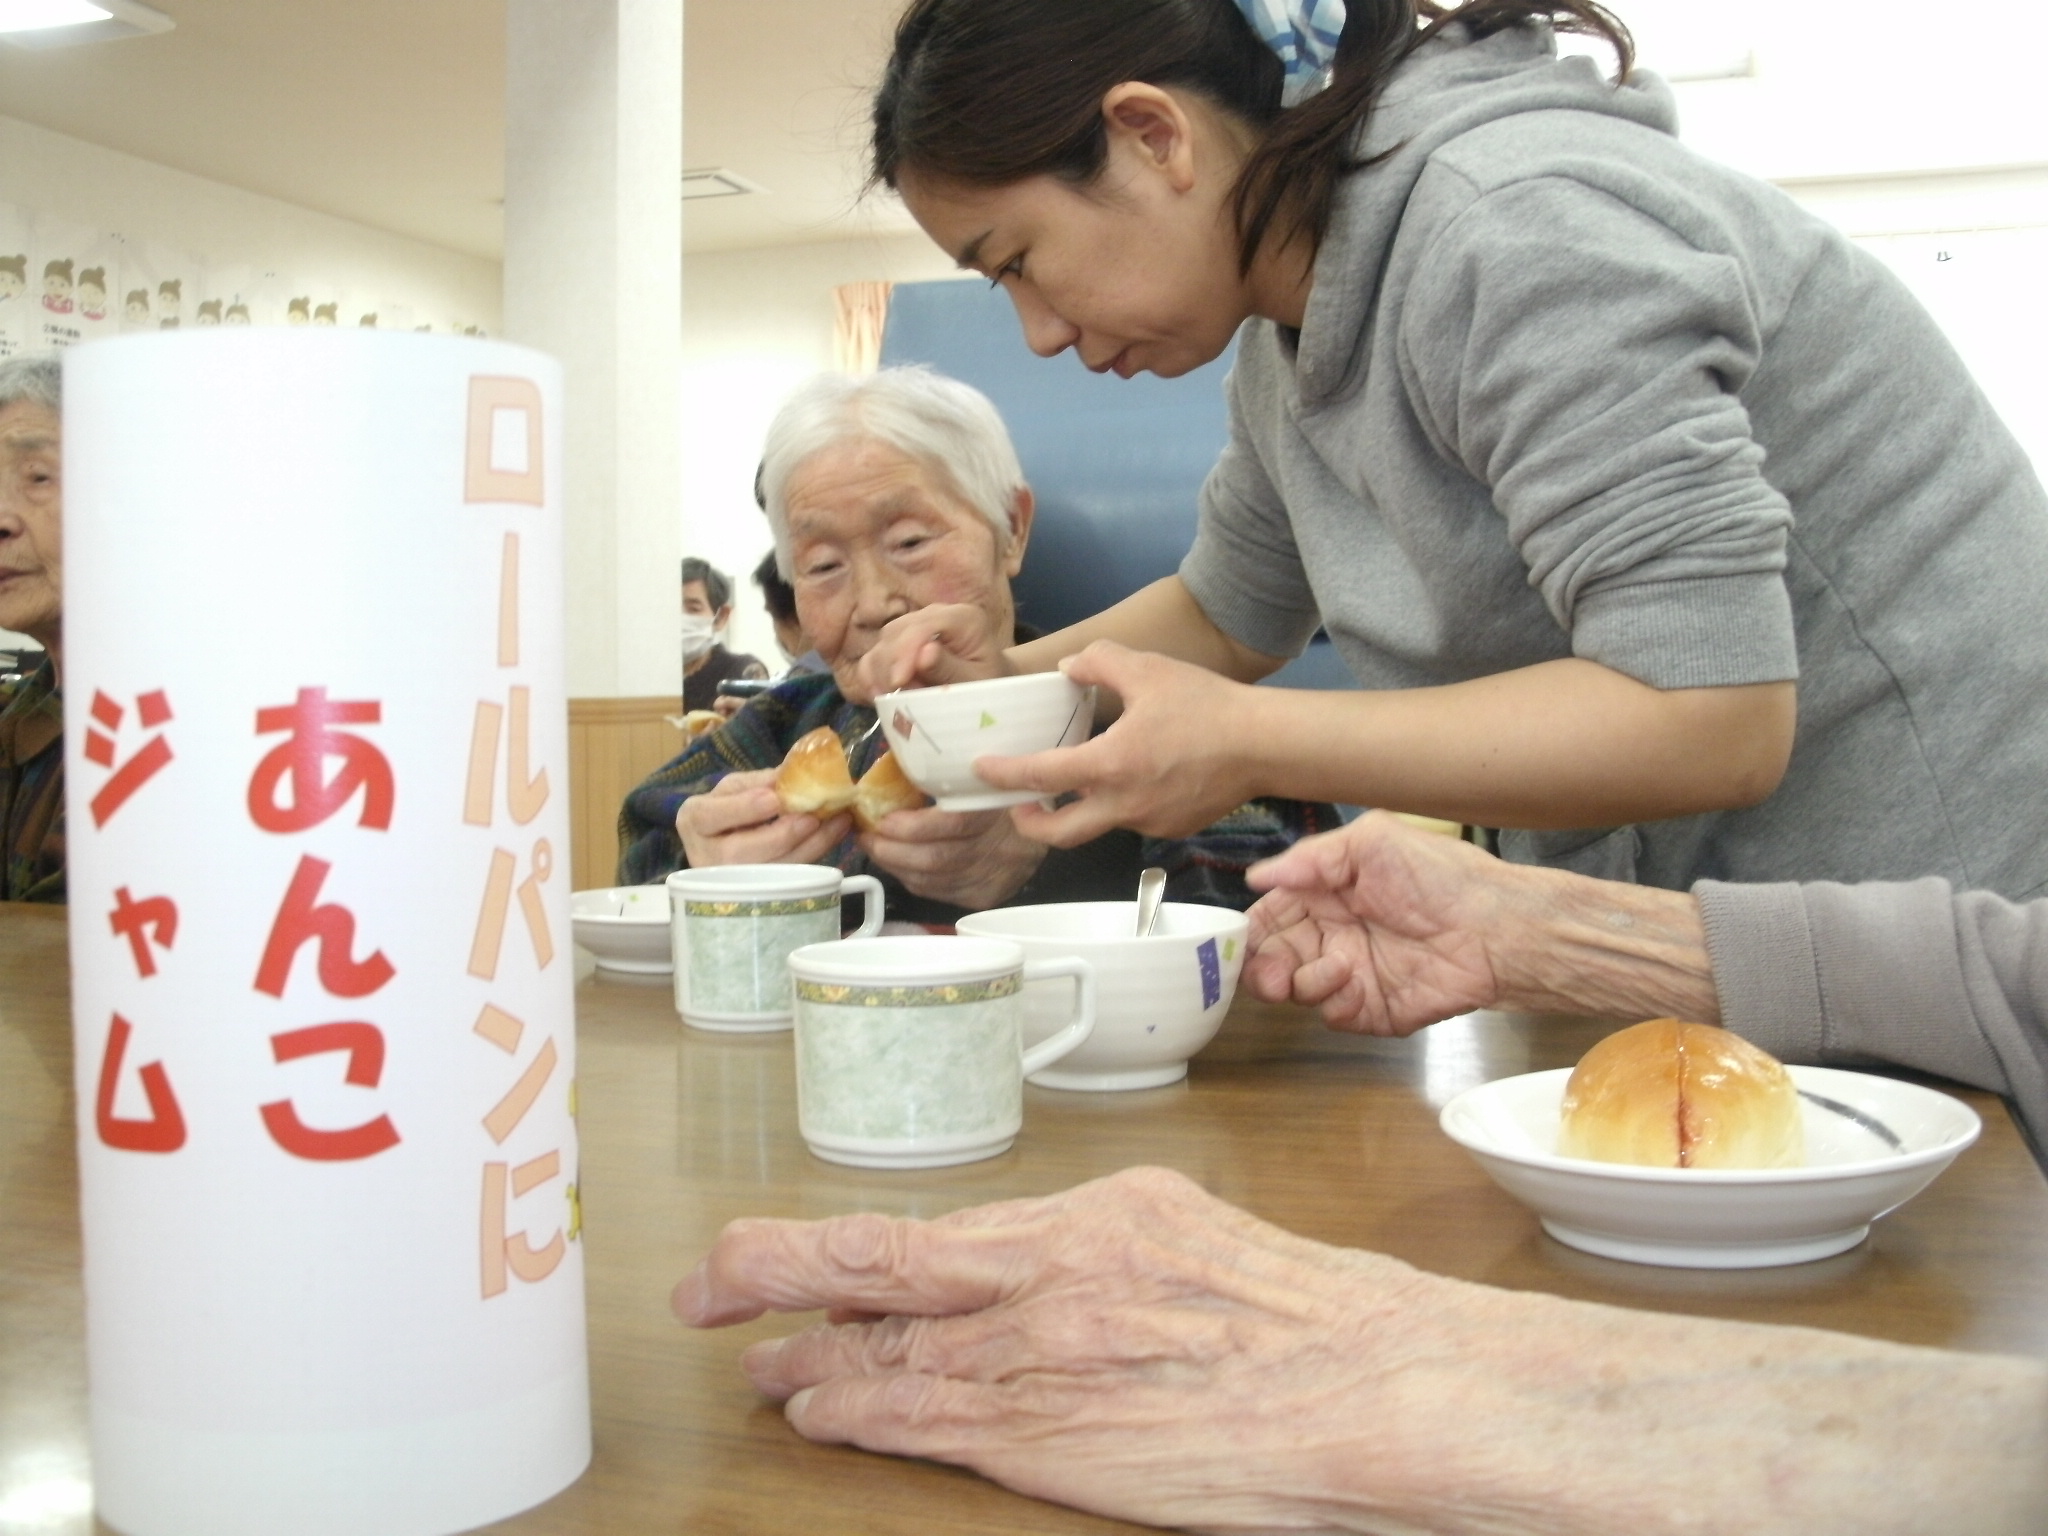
322 993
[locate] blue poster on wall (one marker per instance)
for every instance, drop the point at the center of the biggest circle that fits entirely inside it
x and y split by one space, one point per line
1116 464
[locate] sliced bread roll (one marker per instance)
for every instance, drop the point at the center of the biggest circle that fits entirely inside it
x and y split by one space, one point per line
814 780
1673 1095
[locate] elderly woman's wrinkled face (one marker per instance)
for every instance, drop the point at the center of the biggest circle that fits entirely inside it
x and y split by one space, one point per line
31 520
873 535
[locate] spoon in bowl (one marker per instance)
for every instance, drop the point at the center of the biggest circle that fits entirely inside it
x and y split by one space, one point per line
1151 886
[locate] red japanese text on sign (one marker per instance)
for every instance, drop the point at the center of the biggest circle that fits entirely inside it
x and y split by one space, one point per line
302 760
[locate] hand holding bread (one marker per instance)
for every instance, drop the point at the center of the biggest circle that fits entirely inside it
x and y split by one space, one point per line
814 780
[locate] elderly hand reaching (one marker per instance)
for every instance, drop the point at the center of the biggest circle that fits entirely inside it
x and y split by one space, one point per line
1382 927
1137 1348
1386 929
1119 1347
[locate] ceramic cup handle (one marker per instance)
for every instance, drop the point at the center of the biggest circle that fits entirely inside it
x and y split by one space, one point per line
1079 1027
871 906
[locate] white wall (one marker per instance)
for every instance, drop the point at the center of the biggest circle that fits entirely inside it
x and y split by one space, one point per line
1920 131
756 323
1974 250
50 173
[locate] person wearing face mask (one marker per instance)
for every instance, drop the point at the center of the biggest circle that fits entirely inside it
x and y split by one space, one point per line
32 603
1659 526
707 609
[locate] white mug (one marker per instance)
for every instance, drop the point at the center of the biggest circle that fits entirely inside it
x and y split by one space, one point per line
910 1050
731 930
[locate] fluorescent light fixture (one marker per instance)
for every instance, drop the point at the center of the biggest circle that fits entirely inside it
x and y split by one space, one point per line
62 23
38 15
716 181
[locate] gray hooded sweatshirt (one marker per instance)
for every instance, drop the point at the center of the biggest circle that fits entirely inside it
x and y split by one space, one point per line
1565 388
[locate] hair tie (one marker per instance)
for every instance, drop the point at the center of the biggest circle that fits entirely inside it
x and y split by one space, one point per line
1304 34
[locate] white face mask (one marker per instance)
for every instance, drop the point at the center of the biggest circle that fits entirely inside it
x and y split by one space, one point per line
699 635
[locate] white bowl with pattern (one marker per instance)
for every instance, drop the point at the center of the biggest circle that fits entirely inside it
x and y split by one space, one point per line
937 733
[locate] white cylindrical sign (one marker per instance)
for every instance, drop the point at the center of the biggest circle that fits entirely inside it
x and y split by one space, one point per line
316 759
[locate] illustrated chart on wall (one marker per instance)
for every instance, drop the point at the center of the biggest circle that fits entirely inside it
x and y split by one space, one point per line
1117 464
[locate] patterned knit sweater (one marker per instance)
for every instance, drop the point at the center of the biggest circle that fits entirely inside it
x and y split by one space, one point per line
32 786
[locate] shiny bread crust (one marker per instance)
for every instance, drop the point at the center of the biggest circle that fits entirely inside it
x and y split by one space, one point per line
882 789
813 779
1668 1094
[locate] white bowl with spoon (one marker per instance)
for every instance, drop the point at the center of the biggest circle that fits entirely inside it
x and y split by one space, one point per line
1159 999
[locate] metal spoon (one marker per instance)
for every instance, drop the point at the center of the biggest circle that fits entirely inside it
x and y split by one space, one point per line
1151 886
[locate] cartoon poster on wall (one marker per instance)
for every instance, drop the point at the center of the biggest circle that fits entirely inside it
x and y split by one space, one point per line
221 295
153 280
16 301
74 273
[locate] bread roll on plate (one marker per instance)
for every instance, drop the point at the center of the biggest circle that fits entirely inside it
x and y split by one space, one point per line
813 780
1672 1095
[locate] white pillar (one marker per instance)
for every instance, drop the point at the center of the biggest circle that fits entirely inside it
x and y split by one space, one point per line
593 275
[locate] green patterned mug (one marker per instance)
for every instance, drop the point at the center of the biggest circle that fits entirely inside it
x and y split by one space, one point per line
732 928
910 1050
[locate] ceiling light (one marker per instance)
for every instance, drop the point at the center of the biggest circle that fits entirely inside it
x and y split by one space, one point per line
717 182
62 23
35 15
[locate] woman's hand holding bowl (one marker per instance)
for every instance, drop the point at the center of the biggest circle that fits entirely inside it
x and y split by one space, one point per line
1177 759
741 821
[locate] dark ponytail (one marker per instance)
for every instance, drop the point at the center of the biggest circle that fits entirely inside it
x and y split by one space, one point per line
1291 177
989 92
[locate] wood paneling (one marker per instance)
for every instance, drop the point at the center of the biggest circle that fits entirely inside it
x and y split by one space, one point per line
613 745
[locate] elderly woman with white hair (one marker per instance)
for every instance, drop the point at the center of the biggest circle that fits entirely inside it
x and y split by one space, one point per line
889 494
32 604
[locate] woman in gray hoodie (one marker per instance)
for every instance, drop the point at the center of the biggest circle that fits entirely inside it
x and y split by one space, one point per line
1660 526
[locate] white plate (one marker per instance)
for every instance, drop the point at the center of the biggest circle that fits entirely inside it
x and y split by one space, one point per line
625 927
1738 1218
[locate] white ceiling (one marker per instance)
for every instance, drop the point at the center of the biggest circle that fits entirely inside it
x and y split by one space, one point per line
390 112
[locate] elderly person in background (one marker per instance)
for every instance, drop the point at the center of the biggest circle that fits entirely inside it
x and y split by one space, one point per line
1138 1348
886 495
32 603
707 609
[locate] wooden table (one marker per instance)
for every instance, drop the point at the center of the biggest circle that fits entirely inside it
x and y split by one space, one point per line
1329 1135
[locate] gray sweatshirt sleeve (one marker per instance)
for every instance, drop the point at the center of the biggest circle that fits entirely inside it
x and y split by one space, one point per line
1910 974
1245 570
1582 360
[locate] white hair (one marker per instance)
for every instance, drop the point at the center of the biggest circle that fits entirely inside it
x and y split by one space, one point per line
948 427
40 379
